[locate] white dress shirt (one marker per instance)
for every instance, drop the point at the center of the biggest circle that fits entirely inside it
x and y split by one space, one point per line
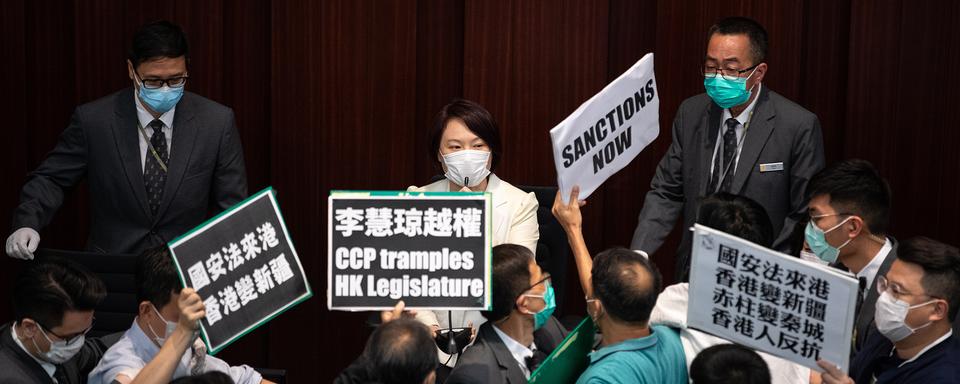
870 271
145 118
520 353
135 350
47 367
743 118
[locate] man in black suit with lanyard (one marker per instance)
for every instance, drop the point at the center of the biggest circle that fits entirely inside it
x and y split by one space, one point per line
156 159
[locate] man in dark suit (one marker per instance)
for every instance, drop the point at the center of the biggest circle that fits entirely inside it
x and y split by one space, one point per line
157 159
849 213
520 331
740 137
53 303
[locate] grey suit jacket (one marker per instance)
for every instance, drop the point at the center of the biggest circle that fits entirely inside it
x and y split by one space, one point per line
206 173
16 366
488 361
780 131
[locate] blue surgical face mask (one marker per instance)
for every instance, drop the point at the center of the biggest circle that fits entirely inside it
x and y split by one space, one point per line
161 99
540 318
727 93
817 240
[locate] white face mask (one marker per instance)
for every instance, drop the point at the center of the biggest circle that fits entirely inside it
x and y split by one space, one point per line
170 325
467 167
60 352
891 315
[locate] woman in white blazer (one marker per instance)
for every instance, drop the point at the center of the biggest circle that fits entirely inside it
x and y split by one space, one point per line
466 144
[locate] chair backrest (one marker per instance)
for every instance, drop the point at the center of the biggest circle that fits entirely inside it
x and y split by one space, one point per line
553 250
119 308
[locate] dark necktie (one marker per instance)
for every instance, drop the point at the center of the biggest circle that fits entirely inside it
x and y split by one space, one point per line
723 165
861 294
61 376
534 361
154 176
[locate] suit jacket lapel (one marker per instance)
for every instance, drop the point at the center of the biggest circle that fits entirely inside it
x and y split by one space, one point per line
708 141
126 136
25 361
501 216
758 132
505 359
865 317
184 138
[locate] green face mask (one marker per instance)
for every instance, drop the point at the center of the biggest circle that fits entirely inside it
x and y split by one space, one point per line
727 93
540 318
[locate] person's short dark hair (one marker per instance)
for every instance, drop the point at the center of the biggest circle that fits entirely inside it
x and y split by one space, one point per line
210 377
401 351
48 288
476 118
510 277
156 40
157 277
941 268
729 364
626 295
744 26
737 215
855 187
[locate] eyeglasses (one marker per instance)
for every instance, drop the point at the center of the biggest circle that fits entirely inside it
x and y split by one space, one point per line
173 82
816 219
884 285
70 339
726 73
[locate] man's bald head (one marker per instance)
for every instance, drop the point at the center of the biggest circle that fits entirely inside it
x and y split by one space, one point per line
627 284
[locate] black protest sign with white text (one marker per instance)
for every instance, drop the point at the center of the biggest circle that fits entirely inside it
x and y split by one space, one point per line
429 250
244 266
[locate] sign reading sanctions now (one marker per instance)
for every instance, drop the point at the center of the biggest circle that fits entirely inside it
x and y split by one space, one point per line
608 131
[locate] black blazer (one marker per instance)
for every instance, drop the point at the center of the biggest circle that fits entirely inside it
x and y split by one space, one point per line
780 132
489 361
863 323
101 144
16 366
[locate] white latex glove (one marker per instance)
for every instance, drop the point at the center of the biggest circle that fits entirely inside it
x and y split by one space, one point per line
22 243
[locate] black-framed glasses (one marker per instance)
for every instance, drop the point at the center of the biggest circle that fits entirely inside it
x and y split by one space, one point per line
69 339
726 73
173 82
547 279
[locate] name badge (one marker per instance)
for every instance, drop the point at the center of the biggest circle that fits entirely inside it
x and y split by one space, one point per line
771 167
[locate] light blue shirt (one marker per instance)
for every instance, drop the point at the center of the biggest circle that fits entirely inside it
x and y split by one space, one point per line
655 359
135 349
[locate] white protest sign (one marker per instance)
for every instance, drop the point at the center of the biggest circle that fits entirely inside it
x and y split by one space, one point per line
770 301
608 131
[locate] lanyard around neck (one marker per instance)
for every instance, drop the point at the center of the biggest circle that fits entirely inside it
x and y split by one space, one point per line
153 151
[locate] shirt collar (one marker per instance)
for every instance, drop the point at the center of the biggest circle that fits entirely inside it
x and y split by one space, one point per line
145 117
870 271
626 345
141 340
745 115
925 349
519 351
47 366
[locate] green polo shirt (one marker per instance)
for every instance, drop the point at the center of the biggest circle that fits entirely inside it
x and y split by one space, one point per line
655 359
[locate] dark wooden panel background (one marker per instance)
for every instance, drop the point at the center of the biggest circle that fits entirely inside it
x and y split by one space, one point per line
341 93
